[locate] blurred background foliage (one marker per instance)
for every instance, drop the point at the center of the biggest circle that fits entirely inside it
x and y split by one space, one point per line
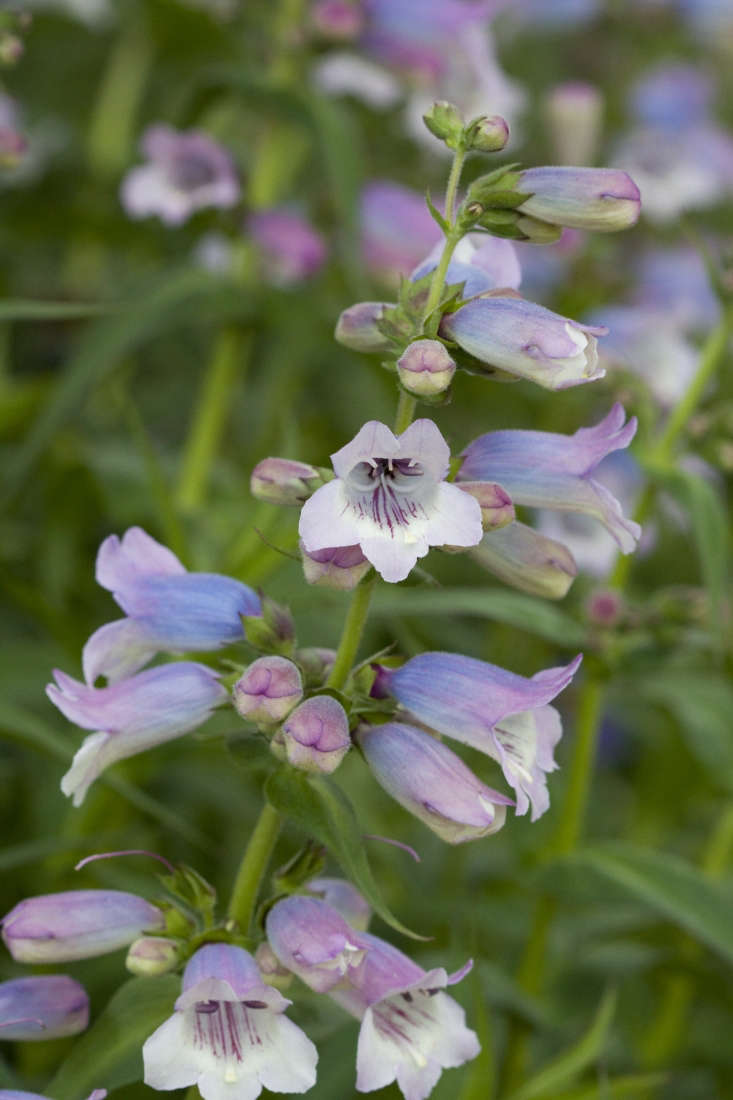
108 327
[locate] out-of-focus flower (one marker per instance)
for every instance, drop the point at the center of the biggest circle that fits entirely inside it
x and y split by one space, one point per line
167 607
481 263
430 781
313 940
315 737
342 73
132 715
229 1035
396 229
45 1007
389 496
497 712
185 172
341 20
289 247
574 113
550 470
677 281
269 689
77 924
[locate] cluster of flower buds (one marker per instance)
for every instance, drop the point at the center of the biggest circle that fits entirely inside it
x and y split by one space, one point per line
485 134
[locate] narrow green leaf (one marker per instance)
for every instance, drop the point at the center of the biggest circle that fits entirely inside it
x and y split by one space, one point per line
109 1053
479 1081
513 608
644 1085
559 1073
26 309
322 809
671 887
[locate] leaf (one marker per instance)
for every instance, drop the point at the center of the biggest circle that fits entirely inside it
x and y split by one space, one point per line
109 1053
702 704
513 608
561 1071
26 309
644 1085
671 887
322 809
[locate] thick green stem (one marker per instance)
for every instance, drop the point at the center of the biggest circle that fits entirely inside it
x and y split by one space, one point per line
352 632
210 414
253 866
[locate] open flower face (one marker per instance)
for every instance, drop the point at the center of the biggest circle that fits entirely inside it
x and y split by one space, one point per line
389 497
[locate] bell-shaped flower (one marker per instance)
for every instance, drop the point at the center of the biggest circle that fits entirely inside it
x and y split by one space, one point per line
229 1035
549 470
345 898
45 1007
77 924
411 1030
132 715
526 340
497 712
185 172
389 496
313 940
430 781
601 199
168 608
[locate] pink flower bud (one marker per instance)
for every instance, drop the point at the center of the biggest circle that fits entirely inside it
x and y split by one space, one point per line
284 481
358 327
340 567
496 505
426 368
489 134
315 737
269 690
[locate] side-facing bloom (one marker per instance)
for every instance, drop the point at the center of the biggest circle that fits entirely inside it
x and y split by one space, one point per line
185 172
389 496
167 607
132 715
45 1007
228 1034
497 712
410 1029
601 199
550 470
430 781
313 940
526 340
290 248
77 924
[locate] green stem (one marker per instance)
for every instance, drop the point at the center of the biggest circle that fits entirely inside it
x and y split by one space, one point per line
451 189
451 240
351 635
230 352
252 868
405 412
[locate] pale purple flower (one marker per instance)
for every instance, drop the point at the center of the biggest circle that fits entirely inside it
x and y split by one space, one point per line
672 97
389 496
339 567
290 248
497 712
312 939
526 340
229 1035
168 608
132 715
410 1029
677 280
601 199
284 481
337 19
344 898
315 736
430 781
269 689
481 263
526 559
418 34
396 229
45 1007
76 924
550 470
495 503
185 172
358 327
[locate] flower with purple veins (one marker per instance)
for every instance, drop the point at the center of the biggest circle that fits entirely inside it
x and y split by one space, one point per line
186 171
550 470
229 1035
389 496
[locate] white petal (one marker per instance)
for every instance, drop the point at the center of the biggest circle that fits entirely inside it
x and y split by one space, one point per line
453 521
169 1063
327 519
393 558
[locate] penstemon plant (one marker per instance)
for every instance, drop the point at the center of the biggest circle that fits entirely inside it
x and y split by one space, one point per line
391 495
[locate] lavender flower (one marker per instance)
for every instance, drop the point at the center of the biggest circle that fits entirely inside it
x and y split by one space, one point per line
526 340
549 470
46 1007
602 199
390 497
168 608
228 1034
430 781
344 898
313 940
397 229
185 173
76 924
497 712
133 715
290 248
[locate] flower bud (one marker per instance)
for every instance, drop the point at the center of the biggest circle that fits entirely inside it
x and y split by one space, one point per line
315 663
315 738
152 955
358 327
604 199
574 116
284 481
314 941
271 968
445 122
77 924
526 560
496 505
536 231
46 1007
426 368
604 608
488 134
268 690
340 567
